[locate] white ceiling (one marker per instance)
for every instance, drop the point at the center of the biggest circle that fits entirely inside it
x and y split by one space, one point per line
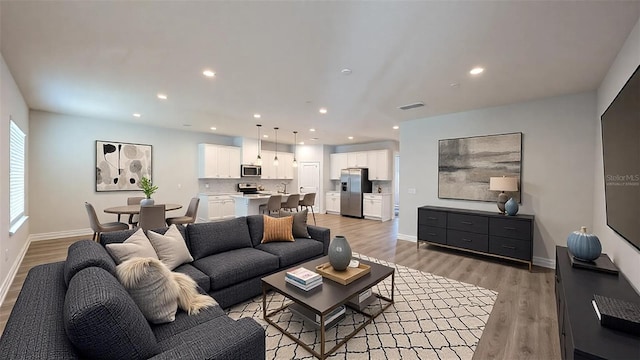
107 60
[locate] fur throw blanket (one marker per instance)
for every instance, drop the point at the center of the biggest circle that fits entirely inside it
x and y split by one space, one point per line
159 292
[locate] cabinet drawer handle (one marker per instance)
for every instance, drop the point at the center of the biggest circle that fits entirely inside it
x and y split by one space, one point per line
467 240
509 228
509 247
466 222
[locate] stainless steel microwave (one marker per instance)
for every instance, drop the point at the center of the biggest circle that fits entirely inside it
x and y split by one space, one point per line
250 170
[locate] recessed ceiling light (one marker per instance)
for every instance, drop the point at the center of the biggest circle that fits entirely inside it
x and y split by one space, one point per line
350 138
257 116
136 115
312 129
314 139
301 142
213 128
396 127
323 110
162 96
346 71
208 73
476 71
265 136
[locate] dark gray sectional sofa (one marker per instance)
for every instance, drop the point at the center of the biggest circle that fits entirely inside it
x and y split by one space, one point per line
78 309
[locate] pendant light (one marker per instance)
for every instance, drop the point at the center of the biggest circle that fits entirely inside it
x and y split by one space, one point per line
259 158
295 146
275 159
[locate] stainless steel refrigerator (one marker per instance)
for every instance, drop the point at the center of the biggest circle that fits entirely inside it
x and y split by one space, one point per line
353 183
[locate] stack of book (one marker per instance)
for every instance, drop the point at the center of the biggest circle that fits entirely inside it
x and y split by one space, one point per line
303 278
330 320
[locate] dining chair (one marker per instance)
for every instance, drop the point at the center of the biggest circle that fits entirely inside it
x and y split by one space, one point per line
133 201
152 217
292 202
274 204
307 201
98 227
189 217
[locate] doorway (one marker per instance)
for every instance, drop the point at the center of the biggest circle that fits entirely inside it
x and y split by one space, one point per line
309 181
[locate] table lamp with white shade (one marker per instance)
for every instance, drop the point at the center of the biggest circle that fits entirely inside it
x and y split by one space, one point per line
502 184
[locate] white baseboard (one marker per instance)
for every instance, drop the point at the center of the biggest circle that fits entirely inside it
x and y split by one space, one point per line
413 238
4 289
61 234
544 262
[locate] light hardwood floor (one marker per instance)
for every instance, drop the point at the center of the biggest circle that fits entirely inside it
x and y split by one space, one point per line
522 325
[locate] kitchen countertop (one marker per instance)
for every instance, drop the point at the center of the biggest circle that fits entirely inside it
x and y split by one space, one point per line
219 194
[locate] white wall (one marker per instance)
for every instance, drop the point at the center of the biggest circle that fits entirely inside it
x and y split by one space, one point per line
12 247
62 168
557 164
623 254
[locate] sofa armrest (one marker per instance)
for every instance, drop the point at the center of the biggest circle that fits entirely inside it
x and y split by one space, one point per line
221 338
321 234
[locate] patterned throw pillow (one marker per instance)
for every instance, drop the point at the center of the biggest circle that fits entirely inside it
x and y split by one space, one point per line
170 247
137 245
299 222
277 229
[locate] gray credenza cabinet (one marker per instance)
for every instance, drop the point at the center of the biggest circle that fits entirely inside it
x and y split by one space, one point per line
482 232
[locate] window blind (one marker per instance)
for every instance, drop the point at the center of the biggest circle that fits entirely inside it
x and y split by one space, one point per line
16 173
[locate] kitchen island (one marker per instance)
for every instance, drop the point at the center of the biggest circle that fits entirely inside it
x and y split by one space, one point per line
249 204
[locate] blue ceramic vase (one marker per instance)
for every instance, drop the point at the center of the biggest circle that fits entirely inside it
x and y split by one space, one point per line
147 202
584 246
511 207
339 253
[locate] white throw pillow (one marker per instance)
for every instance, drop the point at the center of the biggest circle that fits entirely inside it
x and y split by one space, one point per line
152 288
137 245
170 247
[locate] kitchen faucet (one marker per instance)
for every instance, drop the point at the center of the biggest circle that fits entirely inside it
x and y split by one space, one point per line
284 185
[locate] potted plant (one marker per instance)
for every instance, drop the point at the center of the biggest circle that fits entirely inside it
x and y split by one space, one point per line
148 188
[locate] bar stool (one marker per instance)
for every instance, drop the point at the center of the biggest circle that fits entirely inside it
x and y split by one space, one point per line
292 202
307 201
273 204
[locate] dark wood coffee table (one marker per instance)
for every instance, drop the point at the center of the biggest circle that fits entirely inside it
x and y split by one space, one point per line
326 298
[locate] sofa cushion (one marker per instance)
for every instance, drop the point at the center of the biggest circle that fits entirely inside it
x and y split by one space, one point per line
277 229
102 321
234 266
206 239
290 253
170 247
137 245
299 222
184 322
118 237
152 287
256 228
198 276
86 253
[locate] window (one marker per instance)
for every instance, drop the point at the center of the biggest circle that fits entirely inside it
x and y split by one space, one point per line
16 173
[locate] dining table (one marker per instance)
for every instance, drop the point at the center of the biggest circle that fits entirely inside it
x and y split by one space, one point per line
135 209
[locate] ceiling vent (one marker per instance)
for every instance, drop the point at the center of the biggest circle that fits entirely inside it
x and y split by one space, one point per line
411 106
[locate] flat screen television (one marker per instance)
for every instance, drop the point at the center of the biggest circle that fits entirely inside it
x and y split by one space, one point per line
621 157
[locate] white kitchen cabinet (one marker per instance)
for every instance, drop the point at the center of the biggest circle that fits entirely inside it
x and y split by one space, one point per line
357 159
379 165
284 170
218 161
332 202
215 207
377 206
338 162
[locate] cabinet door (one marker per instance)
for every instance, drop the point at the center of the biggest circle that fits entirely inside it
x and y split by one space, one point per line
215 209
207 161
362 159
224 164
372 207
285 169
228 209
352 159
379 165
268 170
235 157
335 166
333 203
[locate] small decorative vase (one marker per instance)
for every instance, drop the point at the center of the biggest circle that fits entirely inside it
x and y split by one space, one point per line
339 253
584 246
147 202
511 207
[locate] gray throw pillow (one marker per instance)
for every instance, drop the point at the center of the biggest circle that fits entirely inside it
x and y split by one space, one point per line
299 223
137 245
152 287
170 247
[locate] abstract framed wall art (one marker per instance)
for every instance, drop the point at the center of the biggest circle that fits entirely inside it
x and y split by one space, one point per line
466 164
120 166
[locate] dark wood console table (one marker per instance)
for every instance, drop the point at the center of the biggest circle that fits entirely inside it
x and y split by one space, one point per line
481 232
581 335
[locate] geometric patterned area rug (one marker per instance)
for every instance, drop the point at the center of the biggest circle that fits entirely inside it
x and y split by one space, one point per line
432 318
